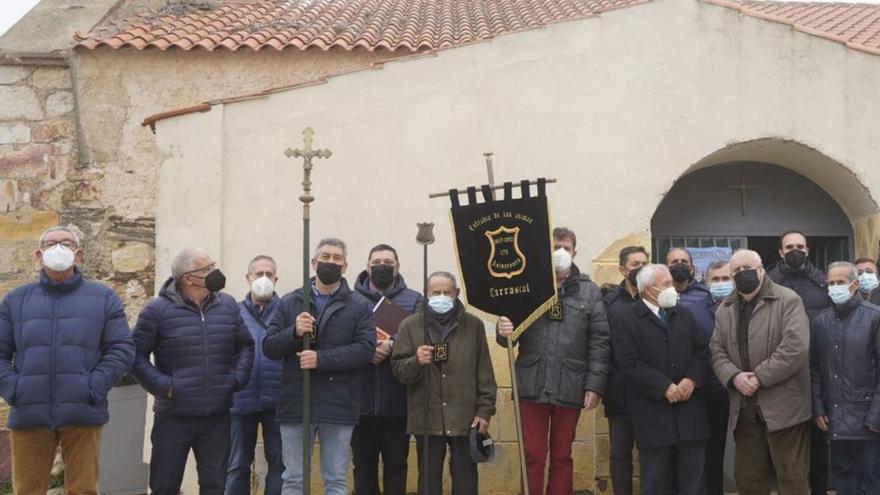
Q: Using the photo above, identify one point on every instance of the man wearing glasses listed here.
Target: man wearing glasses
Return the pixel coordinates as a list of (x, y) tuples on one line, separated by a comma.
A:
[(340, 325), (64, 343), (381, 429), (203, 352)]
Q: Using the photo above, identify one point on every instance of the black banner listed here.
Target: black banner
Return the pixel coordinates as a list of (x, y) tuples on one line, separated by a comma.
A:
[(505, 253)]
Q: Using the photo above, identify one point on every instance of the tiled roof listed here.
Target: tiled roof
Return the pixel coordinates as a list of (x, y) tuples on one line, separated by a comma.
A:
[(855, 25), (410, 25)]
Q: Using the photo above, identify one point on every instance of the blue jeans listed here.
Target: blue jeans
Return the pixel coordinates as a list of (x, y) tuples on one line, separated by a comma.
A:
[(334, 440), (854, 463), (241, 454)]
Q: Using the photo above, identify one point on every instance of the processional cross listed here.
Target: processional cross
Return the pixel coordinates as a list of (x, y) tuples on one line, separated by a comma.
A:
[(307, 153)]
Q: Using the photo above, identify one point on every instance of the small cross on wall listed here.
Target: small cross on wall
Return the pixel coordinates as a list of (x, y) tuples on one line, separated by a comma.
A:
[(743, 187)]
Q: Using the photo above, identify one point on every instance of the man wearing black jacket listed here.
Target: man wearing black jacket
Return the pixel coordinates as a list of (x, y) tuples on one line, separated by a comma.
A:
[(381, 429), (664, 362), (796, 272), (618, 302), (561, 369), (343, 332)]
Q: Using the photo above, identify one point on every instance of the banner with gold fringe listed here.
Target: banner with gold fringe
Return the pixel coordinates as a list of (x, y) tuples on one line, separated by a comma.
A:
[(504, 250)]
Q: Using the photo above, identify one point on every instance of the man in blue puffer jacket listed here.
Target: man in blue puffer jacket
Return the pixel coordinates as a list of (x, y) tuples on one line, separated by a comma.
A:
[(203, 353), (255, 404), (64, 343), (340, 323), (845, 371), (382, 425)]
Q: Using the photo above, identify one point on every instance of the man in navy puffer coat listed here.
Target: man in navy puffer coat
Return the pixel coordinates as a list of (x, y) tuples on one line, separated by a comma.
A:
[(64, 343), (255, 404), (845, 369), (203, 353), (382, 425), (341, 323)]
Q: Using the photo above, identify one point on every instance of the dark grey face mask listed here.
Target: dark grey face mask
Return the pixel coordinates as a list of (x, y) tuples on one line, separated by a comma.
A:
[(215, 281), (382, 276), (328, 273), (795, 258), (747, 281)]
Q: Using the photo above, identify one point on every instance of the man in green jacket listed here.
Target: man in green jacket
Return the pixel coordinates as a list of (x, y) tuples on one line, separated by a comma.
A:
[(461, 383)]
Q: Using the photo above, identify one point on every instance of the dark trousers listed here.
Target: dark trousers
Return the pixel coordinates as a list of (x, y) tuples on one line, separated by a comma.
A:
[(174, 436), (818, 461), (241, 453), (374, 436), (718, 412), (559, 424), (656, 463), (854, 463), (462, 470), (621, 459), (787, 450)]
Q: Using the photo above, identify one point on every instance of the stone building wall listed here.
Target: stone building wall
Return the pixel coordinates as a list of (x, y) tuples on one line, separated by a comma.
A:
[(43, 183)]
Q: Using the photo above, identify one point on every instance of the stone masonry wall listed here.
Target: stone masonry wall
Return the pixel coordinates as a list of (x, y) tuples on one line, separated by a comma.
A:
[(43, 183)]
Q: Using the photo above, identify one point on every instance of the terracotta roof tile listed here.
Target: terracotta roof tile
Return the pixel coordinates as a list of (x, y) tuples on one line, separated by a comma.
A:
[(855, 25), (409, 25)]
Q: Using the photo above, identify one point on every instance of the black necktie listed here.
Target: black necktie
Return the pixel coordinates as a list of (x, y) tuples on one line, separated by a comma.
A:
[(663, 316)]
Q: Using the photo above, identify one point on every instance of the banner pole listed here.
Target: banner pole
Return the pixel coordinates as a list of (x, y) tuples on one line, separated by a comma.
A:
[(517, 418), (524, 477)]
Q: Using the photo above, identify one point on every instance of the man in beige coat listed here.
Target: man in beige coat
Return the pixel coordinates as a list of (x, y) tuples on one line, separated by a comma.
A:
[(760, 351)]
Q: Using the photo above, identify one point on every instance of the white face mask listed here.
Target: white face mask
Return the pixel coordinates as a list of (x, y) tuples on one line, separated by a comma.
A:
[(667, 298), (58, 258), (561, 260), (262, 288)]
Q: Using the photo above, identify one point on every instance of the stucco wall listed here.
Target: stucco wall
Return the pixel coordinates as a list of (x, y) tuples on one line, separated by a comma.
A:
[(616, 108), (72, 149)]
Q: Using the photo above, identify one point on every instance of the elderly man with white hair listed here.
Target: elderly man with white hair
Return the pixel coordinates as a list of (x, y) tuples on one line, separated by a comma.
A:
[(203, 353), (760, 351), (664, 362), (845, 366), (64, 343)]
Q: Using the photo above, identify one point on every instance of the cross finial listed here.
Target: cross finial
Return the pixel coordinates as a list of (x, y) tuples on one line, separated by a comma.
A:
[(307, 153)]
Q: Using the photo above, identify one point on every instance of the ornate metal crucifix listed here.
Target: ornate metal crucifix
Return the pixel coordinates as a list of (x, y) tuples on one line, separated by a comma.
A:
[(307, 153)]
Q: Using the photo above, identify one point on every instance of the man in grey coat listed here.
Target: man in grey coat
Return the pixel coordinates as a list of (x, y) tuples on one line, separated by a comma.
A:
[(561, 369), (760, 352)]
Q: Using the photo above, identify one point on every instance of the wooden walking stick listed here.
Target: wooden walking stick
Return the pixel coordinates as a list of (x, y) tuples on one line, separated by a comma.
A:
[(425, 237), (306, 198)]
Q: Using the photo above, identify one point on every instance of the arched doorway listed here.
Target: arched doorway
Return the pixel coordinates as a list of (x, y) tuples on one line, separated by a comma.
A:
[(747, 205)]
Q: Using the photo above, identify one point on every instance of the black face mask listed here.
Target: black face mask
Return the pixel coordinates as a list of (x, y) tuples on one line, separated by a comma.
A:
[(215, 280), (328, 273), (631, 276), (680, 272), (382, 276), (795, 258), (747, 281)]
